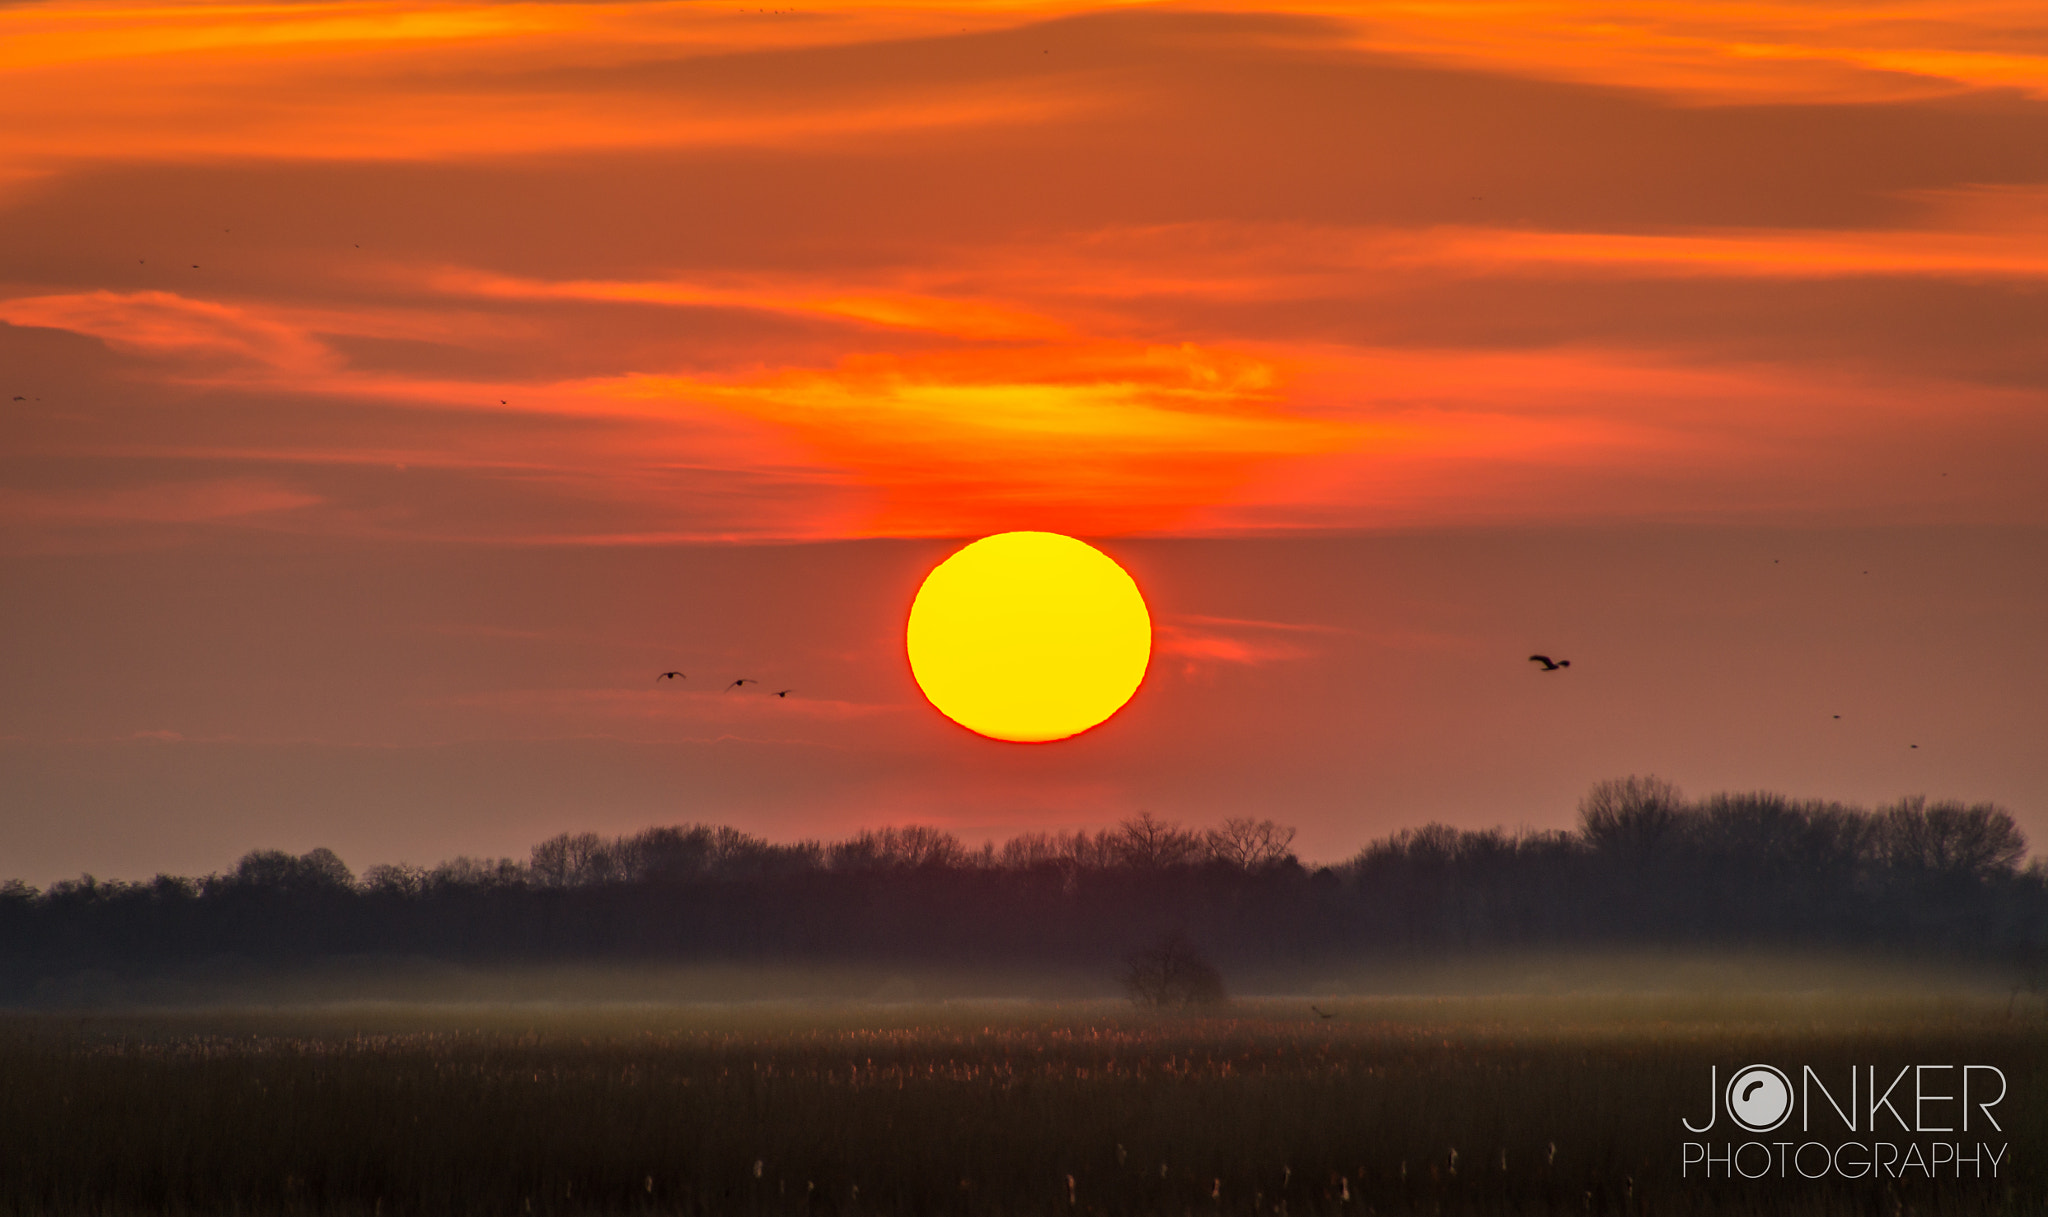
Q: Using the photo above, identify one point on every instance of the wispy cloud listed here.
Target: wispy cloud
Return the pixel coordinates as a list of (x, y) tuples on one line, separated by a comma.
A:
[(871, 305), (190, 502), (1106, 436), (1221, 640), (718, 294), (1832, 50), (385, 80), (167, 324)]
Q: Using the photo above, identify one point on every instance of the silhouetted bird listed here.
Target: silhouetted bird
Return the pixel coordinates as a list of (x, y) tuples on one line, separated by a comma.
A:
[(669, 676), (1320, 1014), (784, 692), (737, 683), (1549, 664), (1838, 716)]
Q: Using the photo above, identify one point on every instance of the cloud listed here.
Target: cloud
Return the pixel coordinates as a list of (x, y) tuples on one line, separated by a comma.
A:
[(647, 274), (1766, 255), (1830, 50), (193, 502), (385, 80), (166, 324), (1968, 234), (951, 316), (1231, 641), (1105, 437)]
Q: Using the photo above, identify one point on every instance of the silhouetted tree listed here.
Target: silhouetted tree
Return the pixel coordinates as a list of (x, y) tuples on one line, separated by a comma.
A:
[(1645, 866), (273, 870), (1964, 843), (913, 845), (1631, 815), (1172, 973), (1250, 844), (1144, 842)]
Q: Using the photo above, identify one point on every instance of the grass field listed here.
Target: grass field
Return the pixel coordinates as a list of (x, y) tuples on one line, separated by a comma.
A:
[(1551, 1104)]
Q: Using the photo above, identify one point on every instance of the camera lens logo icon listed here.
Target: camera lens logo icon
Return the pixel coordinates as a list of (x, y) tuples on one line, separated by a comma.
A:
[(1759, 1098)]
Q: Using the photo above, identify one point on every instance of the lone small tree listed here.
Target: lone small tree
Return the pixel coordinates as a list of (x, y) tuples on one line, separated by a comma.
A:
[(1172, 973)]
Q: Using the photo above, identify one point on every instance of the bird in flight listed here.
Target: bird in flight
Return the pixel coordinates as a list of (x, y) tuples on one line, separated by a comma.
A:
[(1319, 1013), (668, 676), (784, 692), (742, 681), (1549, 664)]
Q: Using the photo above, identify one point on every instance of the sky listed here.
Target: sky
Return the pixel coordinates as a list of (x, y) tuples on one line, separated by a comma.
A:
[(393, 389)]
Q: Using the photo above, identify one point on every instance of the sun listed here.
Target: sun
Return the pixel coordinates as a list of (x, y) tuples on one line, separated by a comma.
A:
[(1029, 637)]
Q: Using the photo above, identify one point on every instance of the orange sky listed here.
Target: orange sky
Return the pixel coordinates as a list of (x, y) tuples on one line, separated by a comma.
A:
[(523, 281)]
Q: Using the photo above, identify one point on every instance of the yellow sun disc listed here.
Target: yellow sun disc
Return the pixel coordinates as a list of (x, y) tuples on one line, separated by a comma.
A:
[(1029, 636)]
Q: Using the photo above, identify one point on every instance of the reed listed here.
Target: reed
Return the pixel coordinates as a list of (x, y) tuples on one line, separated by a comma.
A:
[(1481, 1105)]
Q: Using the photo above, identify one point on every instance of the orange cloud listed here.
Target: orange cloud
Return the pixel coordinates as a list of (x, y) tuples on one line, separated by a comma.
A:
[(387, 80), (167, 324), (1470, 437), (1102, 438), (1841, 49), (1232, 640), (1823, 50), (160, 503), (1968, 234), (1098, 435), (38, 35), (1771, 254), (959, 318)]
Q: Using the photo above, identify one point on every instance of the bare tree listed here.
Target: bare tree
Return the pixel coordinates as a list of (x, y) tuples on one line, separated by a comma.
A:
[(1250, 844), (581, 859), (1145, 843), (395, 879), (1630, 814), (275, 870), (913, 845), (1947, 838), (1172, 973), (1026, 850)]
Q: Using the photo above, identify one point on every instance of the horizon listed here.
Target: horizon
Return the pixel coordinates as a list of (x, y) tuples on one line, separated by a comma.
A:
[(394, 391), (1065, 846)]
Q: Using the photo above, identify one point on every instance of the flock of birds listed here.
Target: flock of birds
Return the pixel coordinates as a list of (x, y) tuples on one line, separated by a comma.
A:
[(729, 688), (1549, 665)]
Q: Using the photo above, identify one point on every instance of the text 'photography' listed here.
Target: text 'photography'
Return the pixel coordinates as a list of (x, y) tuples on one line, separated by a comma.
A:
[(1151, 608)]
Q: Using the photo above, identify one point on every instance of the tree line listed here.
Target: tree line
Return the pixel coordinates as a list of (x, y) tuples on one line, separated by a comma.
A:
[(1644, 866)]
